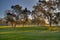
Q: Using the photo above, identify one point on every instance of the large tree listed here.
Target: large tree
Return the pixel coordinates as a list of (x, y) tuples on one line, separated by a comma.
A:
[(22, 15), (25, 14), (10, 18), (46, 8), (17, 9)]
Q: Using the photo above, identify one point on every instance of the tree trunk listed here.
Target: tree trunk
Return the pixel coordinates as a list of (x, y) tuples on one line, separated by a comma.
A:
[(50, 20)]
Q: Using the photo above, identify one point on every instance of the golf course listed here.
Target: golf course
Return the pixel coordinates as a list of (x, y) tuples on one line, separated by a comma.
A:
[(28, 33)]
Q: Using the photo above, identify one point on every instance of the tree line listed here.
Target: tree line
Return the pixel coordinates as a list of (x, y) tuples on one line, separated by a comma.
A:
[(44, 12)]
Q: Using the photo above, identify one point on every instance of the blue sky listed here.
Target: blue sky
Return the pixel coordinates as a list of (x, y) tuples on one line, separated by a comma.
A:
[(6, 5)]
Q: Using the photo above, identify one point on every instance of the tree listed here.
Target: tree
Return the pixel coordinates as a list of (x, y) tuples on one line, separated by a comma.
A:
[(0, 20), (39, 14), (25, 14), (22, 15), (11, 17), (17, 9), (46, 8)]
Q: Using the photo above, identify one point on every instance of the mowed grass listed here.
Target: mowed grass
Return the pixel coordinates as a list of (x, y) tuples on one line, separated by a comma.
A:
[(28, 33)]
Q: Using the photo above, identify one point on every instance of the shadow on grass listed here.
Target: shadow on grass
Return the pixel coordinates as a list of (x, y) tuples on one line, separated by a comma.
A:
[(22, 28)]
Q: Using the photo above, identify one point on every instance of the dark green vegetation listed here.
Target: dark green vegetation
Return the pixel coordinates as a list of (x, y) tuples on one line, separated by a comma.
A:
[(28, 33)]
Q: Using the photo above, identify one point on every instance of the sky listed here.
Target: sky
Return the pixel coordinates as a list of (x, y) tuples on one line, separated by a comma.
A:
[(6, 5)]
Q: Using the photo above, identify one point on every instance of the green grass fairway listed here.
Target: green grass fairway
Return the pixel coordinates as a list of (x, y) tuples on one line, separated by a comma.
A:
[(28, 33)]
